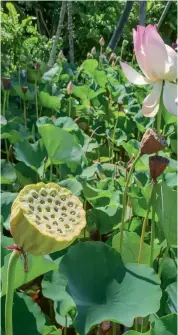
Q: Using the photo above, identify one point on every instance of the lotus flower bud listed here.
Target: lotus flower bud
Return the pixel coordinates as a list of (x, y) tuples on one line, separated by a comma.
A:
[(69, 87), (157, 165), (89, 55), (3, 121), (60, 54), (113, 56), (124, 43), (93, 51), (36, 66), (102, 41), (24, 89), (6, 83), (152, 142), (53, 118), (46, 218)]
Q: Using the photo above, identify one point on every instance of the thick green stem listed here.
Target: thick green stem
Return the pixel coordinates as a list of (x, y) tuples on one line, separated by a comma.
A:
[(113, 136), (158, 126), (70, 106), (10, 291), (25, 114), (144, 228), (124, 202), (152, 226), (4, 104), (36, 97), (114, 328)]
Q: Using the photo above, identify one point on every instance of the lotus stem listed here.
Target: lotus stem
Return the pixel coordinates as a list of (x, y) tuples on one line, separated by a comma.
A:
[(10, 291), (4, 104), (158, 127), (70, 106), (124, 202), (144, 227), (152, 226), (25, 114), (36, 98)]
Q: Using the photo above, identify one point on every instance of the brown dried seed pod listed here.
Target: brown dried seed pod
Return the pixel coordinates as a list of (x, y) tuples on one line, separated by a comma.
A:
[(6, 83), (157, 165), (152, 142), (24, 89)]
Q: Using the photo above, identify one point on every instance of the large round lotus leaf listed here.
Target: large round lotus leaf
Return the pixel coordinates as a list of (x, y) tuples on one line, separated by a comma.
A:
[(103, 288)]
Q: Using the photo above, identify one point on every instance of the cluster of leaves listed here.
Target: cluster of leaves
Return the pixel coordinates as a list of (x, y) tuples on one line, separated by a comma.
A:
[(91, 20), (21, 41), (83, 141)]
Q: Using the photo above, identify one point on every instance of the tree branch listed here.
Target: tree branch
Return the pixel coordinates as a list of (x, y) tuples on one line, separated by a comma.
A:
[(166, 9), (70, 30), (120, 26), (143, 12), (58, 33)]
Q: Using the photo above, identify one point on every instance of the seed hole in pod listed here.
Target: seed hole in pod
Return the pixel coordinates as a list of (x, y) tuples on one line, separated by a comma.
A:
[(31, 207), (45, 217), (59, 230), (52, 216), (39, 209), (48, 226), (35, 195), (47, 209), (67, 226), (43, 193), (72, 220), (38, 223), (63, 197), (38, 217), (30, 199), (42, 201), (50, 200), (64, 208), (53, 193), (57, 202), (63, 214), (70, 204), (72, 212), (55, 223), (56, 209), (61, 220)]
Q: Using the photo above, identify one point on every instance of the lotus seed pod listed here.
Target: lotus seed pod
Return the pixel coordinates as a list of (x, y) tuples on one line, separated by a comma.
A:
[(152, 142), (157, 166), (46, 218), (102, 41), (24, 89), (69, 87)]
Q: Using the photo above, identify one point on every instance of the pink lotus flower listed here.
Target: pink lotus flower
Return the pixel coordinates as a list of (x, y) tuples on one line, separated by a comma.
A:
[(158, 62)]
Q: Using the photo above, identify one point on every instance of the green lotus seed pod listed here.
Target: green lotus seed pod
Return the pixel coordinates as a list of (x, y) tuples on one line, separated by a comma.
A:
[(46, 218)]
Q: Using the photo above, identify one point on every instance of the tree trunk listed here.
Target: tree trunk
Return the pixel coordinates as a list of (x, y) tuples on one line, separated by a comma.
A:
[(143, 12), (70, 30), (120, 26), (164, 14), (58, 33)]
